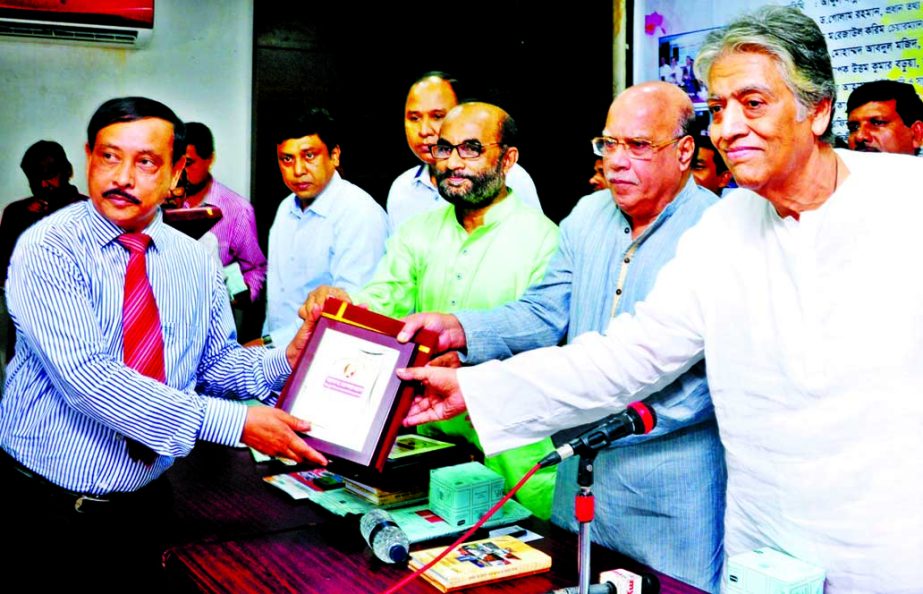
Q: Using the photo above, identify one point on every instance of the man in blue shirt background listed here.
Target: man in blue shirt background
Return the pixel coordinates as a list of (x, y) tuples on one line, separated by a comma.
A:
[(328, 231)]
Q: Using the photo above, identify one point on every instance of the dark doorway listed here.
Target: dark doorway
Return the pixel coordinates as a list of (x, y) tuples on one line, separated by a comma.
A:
[(551, 68)]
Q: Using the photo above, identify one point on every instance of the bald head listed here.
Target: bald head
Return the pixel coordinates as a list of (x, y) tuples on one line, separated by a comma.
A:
[(657, 101), (490, 121), (647, 163)]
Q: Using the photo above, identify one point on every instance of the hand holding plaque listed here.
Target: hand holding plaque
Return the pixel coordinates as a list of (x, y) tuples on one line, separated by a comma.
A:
[(344, 382)]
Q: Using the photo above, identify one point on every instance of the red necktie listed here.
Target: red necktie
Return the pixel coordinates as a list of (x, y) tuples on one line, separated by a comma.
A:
[(143, 339)]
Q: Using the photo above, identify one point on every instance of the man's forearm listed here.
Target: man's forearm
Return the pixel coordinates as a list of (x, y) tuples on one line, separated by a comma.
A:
[(513, 328)]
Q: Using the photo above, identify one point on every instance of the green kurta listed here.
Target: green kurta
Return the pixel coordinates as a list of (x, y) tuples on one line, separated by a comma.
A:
[(432, 264)]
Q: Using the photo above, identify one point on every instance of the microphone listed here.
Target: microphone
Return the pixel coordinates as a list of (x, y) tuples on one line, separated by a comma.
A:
[(637, 419)]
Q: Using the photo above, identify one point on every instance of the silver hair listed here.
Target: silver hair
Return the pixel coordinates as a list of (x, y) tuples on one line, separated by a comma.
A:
[(793, 40), (686, 122)]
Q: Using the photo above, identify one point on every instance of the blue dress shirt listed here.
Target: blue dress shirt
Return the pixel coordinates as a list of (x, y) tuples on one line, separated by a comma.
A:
[(338, 240), (660, 497), (70, 401)]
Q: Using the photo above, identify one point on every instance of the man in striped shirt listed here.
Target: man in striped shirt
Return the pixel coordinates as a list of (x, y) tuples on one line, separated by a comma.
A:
[(74, 409)]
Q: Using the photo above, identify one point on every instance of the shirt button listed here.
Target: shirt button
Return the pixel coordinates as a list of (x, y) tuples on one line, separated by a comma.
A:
[(618, 291), (458, 277), (627, 260), (452, 302), (627, 229)]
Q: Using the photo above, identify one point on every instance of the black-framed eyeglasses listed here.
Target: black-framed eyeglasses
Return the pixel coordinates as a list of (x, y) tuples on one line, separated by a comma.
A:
[(636, 147), (469, 149)]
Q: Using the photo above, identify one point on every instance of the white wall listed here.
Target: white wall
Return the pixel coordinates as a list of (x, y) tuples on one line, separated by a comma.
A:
[(199, 63)]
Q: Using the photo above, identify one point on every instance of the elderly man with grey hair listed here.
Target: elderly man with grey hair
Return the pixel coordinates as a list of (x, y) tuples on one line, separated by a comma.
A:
[(805, 304)]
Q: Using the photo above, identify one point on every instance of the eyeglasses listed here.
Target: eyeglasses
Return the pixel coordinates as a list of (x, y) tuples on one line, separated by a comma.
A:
[(637, 148), (470, 149)]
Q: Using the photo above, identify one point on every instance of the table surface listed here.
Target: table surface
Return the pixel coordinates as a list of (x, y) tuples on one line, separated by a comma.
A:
[(235, 533)]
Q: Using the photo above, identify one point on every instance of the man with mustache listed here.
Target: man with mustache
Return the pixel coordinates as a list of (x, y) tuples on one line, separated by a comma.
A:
[(127, 358), (414, 191), (885, 116), (485, 247)]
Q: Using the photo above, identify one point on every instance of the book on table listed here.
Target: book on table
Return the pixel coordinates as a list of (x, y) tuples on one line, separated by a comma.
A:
[(385, 498), (481, 561)]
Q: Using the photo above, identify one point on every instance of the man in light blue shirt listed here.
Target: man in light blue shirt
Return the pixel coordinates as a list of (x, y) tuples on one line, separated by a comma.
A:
[(326, 232), (73, 408), (660, 497), (413, 192)]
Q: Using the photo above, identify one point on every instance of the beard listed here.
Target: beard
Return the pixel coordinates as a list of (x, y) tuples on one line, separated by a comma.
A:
[(484, 187)]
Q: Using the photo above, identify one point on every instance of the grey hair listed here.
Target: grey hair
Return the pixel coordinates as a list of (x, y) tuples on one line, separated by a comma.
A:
[(686, 125), (793, 40)]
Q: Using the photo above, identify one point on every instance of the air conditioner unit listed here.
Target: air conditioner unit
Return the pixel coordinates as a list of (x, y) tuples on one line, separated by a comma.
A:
[(113, 23)]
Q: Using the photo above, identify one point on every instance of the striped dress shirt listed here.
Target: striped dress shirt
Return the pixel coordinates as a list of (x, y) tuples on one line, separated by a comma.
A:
[(70, 401)]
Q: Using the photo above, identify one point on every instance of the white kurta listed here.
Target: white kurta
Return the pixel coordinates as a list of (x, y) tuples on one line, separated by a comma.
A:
[(812, 332)]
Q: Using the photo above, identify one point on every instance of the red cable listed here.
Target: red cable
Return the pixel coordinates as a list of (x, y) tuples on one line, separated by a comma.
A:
[(461, 539)]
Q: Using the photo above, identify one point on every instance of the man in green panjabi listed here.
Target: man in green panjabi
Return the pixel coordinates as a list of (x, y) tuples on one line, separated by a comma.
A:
[(480, 251)]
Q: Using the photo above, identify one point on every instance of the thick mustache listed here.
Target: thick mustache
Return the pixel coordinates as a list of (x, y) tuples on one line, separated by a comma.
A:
[(121, 194), (449, 174)]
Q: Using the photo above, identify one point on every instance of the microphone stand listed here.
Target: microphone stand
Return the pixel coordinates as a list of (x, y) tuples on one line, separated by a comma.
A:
[(584, 510), (637, 419)]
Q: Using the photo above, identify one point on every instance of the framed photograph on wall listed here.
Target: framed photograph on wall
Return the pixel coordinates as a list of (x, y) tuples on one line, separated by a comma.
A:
[(676, 56)]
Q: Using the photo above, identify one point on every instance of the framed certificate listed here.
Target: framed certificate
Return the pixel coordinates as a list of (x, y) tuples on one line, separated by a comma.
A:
[(344, 383)]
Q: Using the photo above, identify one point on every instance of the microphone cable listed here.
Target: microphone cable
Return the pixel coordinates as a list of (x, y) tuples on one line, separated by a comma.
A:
[(461, 539)]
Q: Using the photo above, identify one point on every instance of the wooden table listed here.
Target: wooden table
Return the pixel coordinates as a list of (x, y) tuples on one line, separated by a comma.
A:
[(234, 533)]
